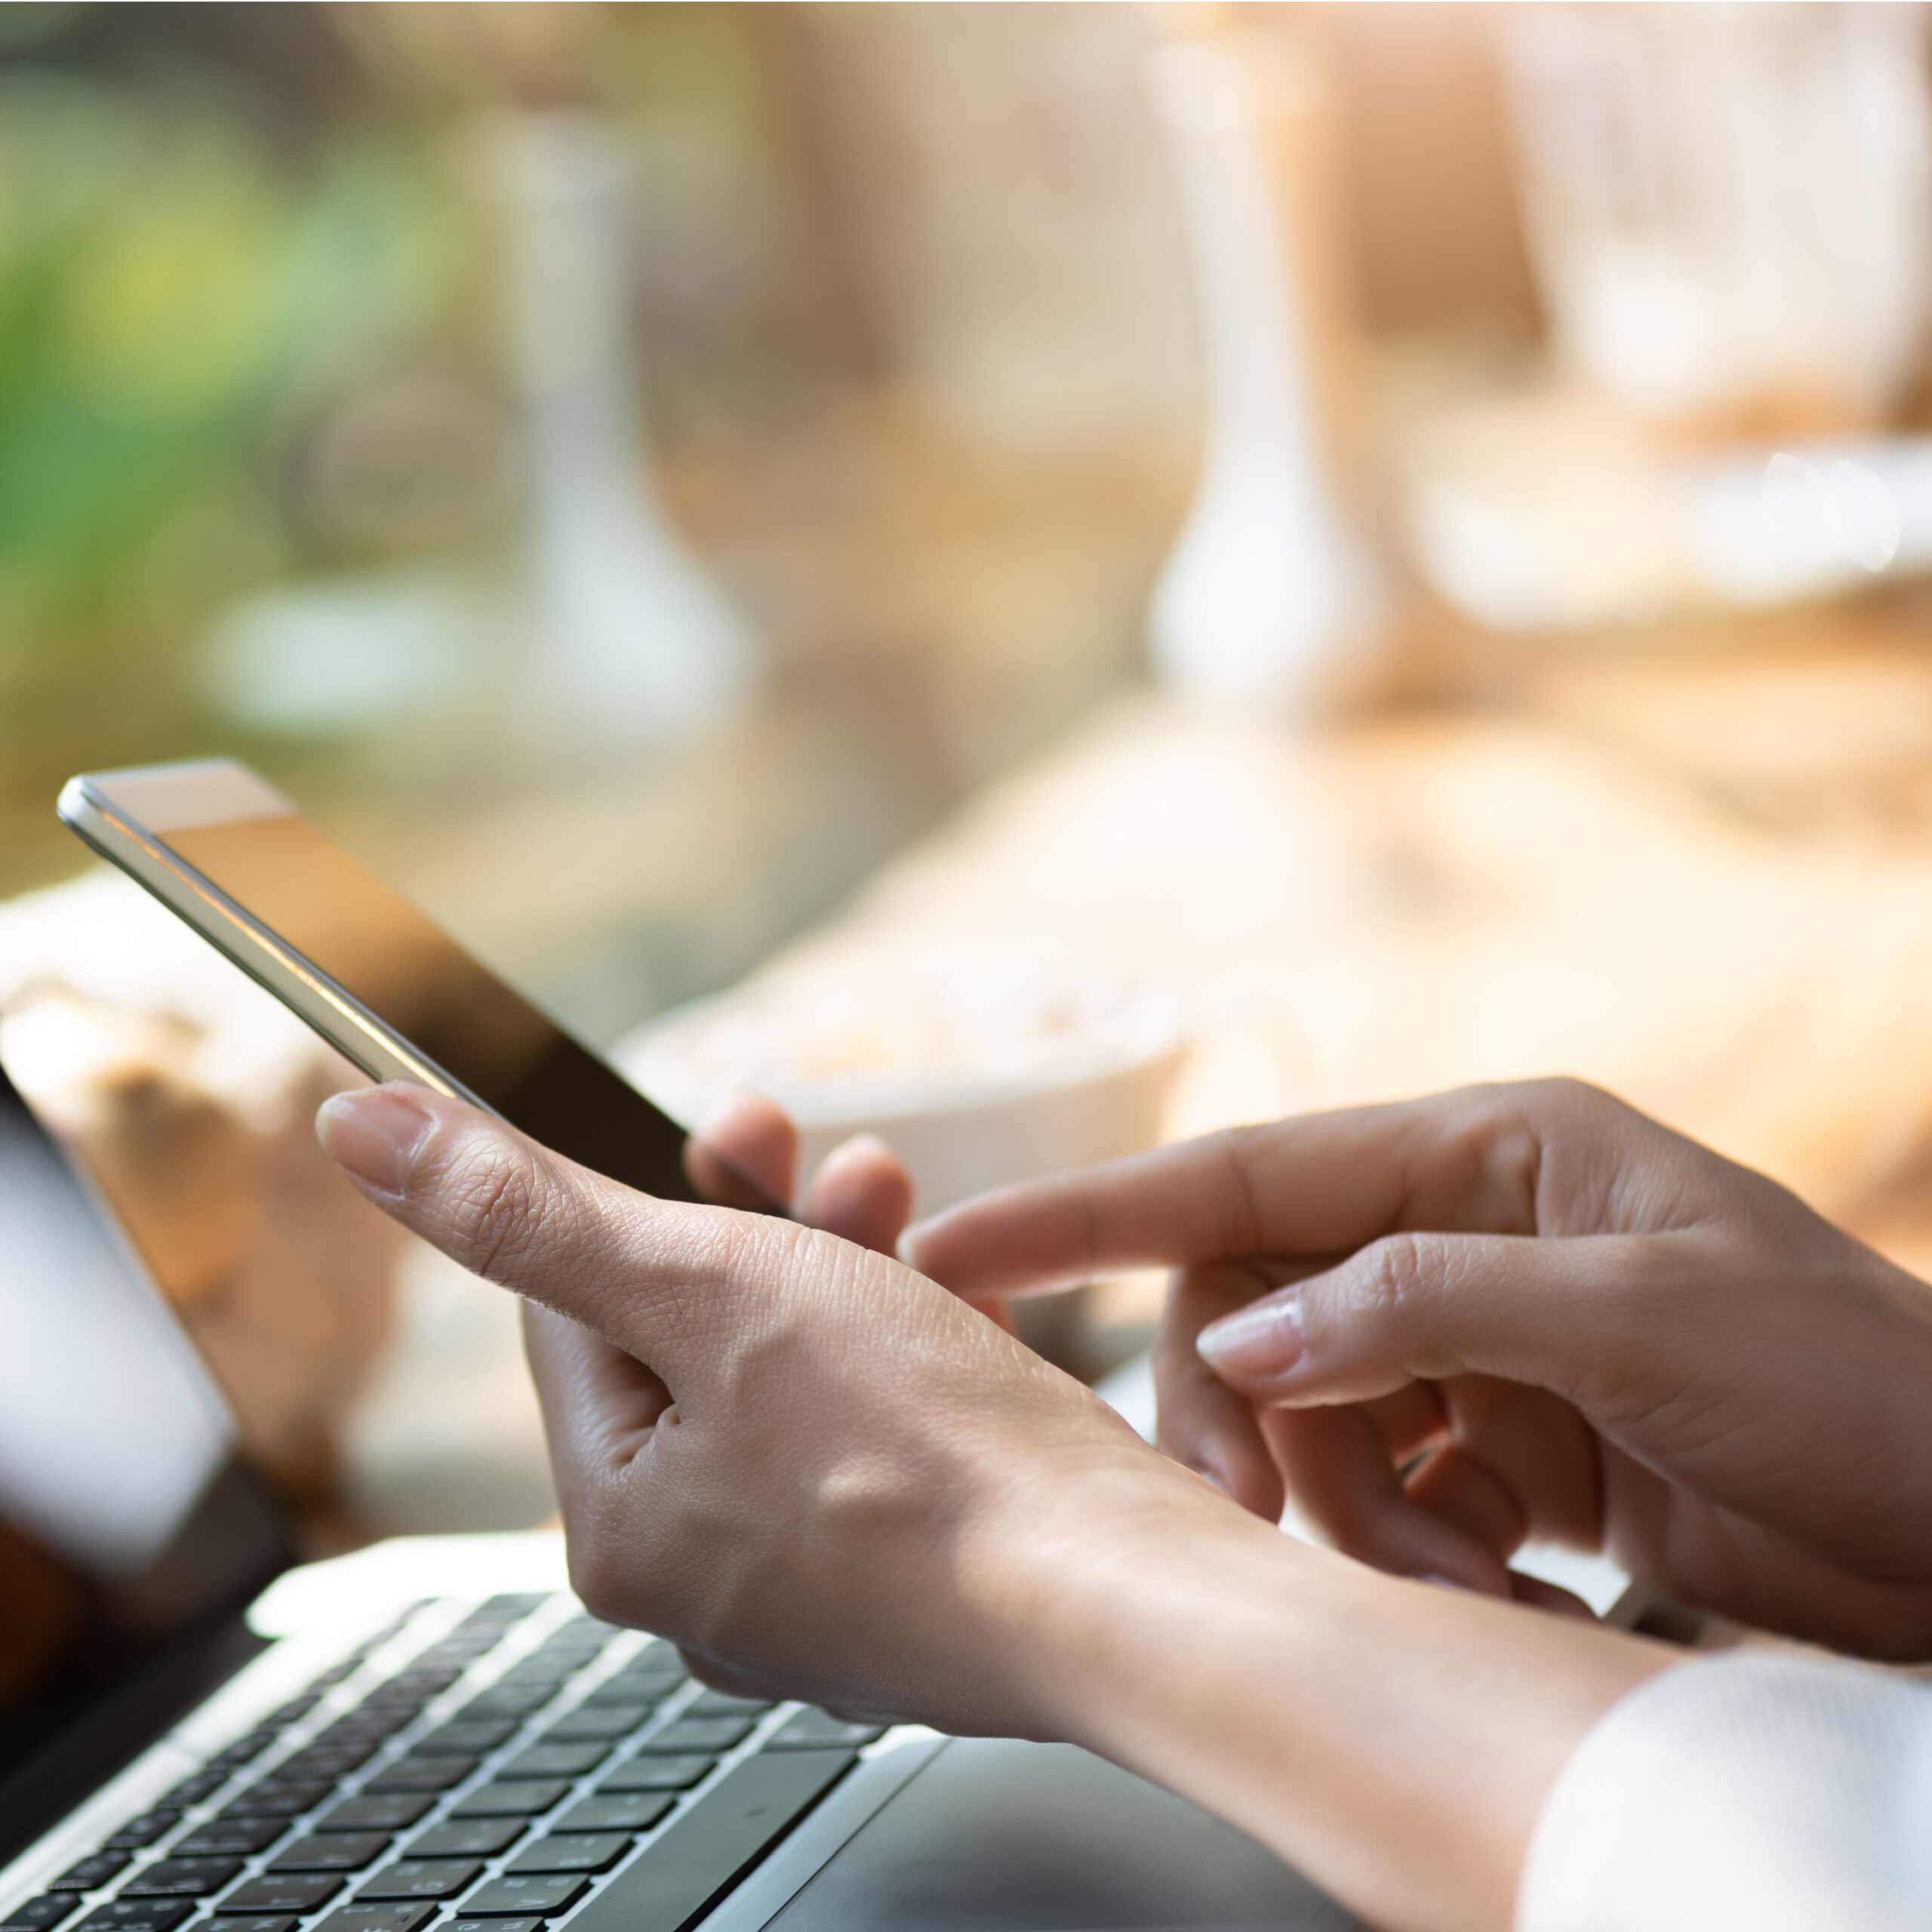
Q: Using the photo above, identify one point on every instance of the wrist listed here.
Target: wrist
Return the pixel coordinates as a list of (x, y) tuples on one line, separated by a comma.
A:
[(1330, 1710), (1122, 1576)]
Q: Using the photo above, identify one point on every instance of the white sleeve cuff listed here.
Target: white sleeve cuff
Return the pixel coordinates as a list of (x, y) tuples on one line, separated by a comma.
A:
[(1760, 1792)]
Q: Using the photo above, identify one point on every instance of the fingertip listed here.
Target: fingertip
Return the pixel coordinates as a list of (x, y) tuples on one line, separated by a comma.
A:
[(945, 1247), (1255, 1344), (748, 1137), (863, 1193), (374, 1134), (915, 1246), (866, 1161)]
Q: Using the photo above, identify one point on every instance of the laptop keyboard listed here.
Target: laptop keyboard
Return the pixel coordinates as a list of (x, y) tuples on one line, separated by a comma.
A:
[(497, 1771)]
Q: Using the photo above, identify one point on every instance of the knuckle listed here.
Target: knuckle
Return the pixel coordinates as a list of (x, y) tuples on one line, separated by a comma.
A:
[(1394, 1278), (1493, 1139), (494, 1198), (741, 1263), (1648, 1279), (1564, 1096)]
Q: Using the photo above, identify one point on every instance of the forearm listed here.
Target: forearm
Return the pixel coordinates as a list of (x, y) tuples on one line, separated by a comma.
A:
[(1393, 1739)]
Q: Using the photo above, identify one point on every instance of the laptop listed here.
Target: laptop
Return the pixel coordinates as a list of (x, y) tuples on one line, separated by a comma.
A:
[(197, 1733)]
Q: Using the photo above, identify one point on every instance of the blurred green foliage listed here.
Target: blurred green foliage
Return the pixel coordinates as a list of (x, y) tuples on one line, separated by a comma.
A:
[(172, 298)]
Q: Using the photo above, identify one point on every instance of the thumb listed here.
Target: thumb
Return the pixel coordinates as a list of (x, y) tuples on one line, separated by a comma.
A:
[(648, 1275), (1550, 1312)]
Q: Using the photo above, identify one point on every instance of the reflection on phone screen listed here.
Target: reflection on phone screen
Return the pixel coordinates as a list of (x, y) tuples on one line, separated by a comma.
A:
[(386, 955)]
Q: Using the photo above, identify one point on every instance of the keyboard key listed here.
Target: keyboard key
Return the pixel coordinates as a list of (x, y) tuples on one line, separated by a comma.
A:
[(281, 1893), (261, 1921), (38, 1915), (626, 1694), (813, 1731), (90, 1874), (402, 1701), (654, 1682), (722, 1704), (461, 1924), (192, 1791), (182, 1878), (657, 1655), (599, 1724), (572, 1851), (583, 1629), (576, 1652), (469, 1737), (421, 1878), (230, 1838), (524, 1799), (144, 1830), (541, 1898), (397, 1918), (554, 1761), (656, 1774), (510, 1700), (539, 1669), (509, 1607), (650, 1668), (699, 1734), (136, 1915), (411, 1686), (422, 1774), (332, 1851), (538, 1674), (466, 1837), (700, 1856), (243, 1749), (360, 1726), (457, 1653), (627, 1811), (328, 1760), (278, 1798), (380, 1811), (296, 1707), (422, 1675)]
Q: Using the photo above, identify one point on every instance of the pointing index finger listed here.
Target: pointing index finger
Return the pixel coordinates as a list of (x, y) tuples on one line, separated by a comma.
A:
[(1319, 1185), (1322, 1184)]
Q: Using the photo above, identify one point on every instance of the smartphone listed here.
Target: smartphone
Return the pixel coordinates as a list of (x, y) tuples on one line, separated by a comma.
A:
[(389, 990)]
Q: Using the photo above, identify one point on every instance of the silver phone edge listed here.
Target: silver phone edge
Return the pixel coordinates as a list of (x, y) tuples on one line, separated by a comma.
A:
[(349, 1026)]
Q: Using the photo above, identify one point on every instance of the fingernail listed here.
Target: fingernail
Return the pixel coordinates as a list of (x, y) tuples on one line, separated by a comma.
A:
[(374, 1134), (1263, 1339)]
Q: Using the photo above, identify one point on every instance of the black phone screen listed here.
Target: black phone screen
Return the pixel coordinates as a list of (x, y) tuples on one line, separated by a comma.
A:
[(382, 952)]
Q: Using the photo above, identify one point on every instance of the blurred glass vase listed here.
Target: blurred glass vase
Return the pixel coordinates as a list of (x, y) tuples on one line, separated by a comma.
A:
[(1268, 583), (633, 642)]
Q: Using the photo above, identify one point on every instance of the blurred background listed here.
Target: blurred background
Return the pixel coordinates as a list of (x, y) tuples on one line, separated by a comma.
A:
[(360, 363), (1108, 569)]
